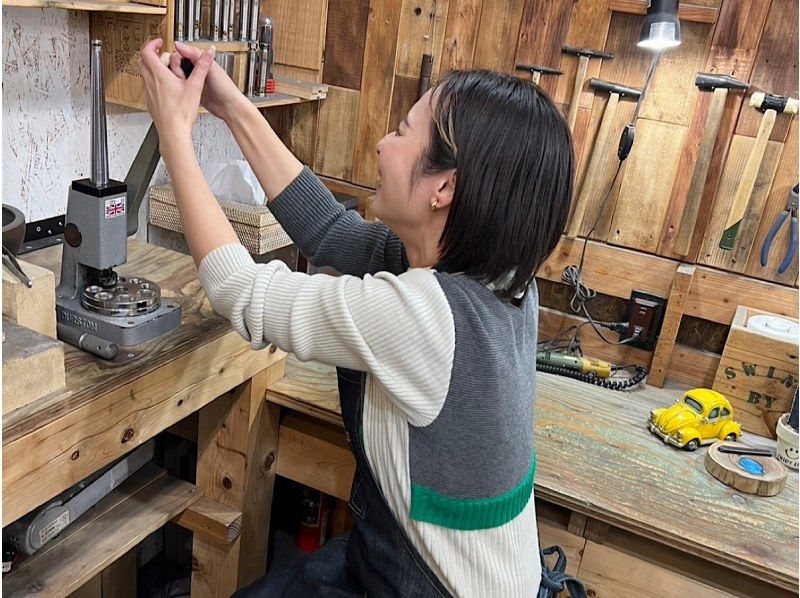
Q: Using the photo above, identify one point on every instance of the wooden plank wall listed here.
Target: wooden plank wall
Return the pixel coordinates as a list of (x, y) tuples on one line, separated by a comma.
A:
[(369, 53)]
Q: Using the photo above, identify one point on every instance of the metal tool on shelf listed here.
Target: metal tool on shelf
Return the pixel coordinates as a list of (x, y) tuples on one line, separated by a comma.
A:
[(180, 20), (29, 534), (790, 212), (216, 20), (254, 8), (225, 19), (196, 22), (189, 20), (94, 303), (244, 20), (252, 63), (266, 84)]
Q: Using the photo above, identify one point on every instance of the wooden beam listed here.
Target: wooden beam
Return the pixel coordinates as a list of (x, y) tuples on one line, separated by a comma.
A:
[(577, 523), (301, 89), (186, 428), (686, 12), (119, 578), (691, 366), (228, 456), (141, 505), (337, 186), (672, 322), (213, 520), (316, 454)]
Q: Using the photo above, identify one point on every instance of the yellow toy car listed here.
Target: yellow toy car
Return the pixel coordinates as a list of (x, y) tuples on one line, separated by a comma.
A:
[(701, 416)]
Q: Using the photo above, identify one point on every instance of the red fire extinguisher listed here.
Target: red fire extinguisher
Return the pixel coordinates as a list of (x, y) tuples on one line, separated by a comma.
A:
[(314, 521)]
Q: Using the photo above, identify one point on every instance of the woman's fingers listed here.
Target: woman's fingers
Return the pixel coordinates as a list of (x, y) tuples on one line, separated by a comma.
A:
[(201, 67), (151, 54), (190, 52), (175, 65)]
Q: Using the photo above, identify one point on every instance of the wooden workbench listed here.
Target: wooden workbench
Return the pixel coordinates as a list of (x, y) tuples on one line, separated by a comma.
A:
[(109, 408), (627, 492)]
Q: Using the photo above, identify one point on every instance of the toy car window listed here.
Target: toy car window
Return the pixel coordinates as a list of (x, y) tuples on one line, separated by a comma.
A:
[(693, 404), (725, 411), (714, 413)]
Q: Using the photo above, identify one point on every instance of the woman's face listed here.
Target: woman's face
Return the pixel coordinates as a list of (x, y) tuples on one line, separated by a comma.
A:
[(400, 202)]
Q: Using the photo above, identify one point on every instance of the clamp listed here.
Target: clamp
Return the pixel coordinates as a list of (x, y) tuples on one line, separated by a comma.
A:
[(791, 211)]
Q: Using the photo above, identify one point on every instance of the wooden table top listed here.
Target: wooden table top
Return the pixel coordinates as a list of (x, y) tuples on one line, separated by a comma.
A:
[(88, 376), (597, 457)]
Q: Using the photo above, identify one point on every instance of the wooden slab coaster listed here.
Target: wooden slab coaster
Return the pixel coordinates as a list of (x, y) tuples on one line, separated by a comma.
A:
[(729, 469)]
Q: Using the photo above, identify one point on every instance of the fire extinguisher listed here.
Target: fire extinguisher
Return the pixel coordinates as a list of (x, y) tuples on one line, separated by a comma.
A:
[(314, 520)]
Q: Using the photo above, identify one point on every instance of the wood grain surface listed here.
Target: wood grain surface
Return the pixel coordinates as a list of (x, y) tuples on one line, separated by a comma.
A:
[(345, 34), (336, 133), (461, 32), (496, 41), (299, 31), (421, 31), (541, 36), (601, 435), (373, 111)]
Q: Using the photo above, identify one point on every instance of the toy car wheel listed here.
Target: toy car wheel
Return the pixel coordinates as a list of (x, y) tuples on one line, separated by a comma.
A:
[(731, 437), (692, 445)]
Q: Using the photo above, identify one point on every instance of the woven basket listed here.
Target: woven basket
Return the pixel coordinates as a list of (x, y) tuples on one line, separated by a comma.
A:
[(256, 227)]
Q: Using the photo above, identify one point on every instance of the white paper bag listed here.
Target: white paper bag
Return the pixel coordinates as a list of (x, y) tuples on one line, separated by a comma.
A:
[(234, 181)]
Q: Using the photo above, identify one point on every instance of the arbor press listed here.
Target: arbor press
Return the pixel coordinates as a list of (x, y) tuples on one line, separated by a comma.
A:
[(96, 309)]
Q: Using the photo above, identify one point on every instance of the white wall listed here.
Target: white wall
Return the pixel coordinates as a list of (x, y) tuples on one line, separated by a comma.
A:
[(46, 114)]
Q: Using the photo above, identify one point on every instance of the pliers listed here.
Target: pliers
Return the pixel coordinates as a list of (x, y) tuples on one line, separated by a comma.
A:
[(10, 262), (789, 210)]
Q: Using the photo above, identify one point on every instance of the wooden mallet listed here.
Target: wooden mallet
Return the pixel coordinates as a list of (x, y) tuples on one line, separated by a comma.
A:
[(592, 185), (771, 105), (537, 71), (584, 55), (719, 85)]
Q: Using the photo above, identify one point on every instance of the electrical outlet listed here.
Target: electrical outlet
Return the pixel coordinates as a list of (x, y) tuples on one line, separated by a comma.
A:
[(646, 314)]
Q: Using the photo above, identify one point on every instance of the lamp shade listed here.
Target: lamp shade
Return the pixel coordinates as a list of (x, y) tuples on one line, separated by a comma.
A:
[(661, 28)]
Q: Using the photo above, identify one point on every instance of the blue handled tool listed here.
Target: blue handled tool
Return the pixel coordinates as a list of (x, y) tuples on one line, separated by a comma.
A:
[(791, 211)]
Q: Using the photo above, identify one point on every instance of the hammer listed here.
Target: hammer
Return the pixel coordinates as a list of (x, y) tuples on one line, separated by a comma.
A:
[(584, 55), (719, 85), (770, 105), (593, 170), (537, 71)]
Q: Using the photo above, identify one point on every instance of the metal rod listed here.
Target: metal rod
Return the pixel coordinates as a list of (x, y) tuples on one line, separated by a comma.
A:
[(180, 19), (216, 17), (99, 175), (226, 17), (190, 8), (252, 60), (232, 21), (197, 25), (254, 8), (265, 55), (244, 20)]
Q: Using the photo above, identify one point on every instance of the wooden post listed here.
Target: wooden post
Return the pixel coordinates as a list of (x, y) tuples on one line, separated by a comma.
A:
[(672, 322), (236, 442)]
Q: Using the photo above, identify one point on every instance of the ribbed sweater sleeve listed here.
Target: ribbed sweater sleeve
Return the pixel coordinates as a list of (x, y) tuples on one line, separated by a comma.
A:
[(398, 328), (329, 235)]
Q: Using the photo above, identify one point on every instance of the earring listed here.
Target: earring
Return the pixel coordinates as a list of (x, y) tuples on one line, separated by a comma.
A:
[(434, 205)]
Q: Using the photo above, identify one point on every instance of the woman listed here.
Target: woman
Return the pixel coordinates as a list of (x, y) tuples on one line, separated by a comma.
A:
[(433, 325)]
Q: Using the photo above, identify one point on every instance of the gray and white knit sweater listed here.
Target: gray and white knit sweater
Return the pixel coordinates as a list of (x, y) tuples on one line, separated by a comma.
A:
[(449, 395)]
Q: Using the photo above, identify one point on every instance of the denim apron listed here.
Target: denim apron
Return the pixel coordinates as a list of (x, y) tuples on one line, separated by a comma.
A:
[(376, 558)]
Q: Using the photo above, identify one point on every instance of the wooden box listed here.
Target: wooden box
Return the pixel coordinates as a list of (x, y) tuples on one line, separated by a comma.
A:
[(256, 227), (757, 373)]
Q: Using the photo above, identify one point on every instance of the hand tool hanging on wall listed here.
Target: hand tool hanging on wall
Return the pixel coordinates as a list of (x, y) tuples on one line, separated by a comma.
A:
[(537, 71), (584, 55), (591, 181), (789, 211), (719, 85), (426, 66), (771, 106), (96, 309)]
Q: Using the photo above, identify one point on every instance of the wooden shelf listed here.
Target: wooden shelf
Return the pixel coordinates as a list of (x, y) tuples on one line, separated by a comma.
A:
[(686, 12), (142, 504), (91, 5), (274, 100)]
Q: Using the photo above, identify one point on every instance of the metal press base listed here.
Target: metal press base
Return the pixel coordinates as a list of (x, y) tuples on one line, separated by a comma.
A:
[(124, 331)]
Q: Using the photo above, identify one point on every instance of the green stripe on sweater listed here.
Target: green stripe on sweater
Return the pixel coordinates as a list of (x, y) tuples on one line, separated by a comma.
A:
[(471, 513)]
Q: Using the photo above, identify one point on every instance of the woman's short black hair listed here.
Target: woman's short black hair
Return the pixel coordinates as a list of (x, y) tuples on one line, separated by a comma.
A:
[(512, 152)]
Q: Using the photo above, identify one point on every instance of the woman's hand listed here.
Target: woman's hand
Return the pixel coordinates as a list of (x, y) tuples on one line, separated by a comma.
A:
[(220, 93), (173, 102)]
